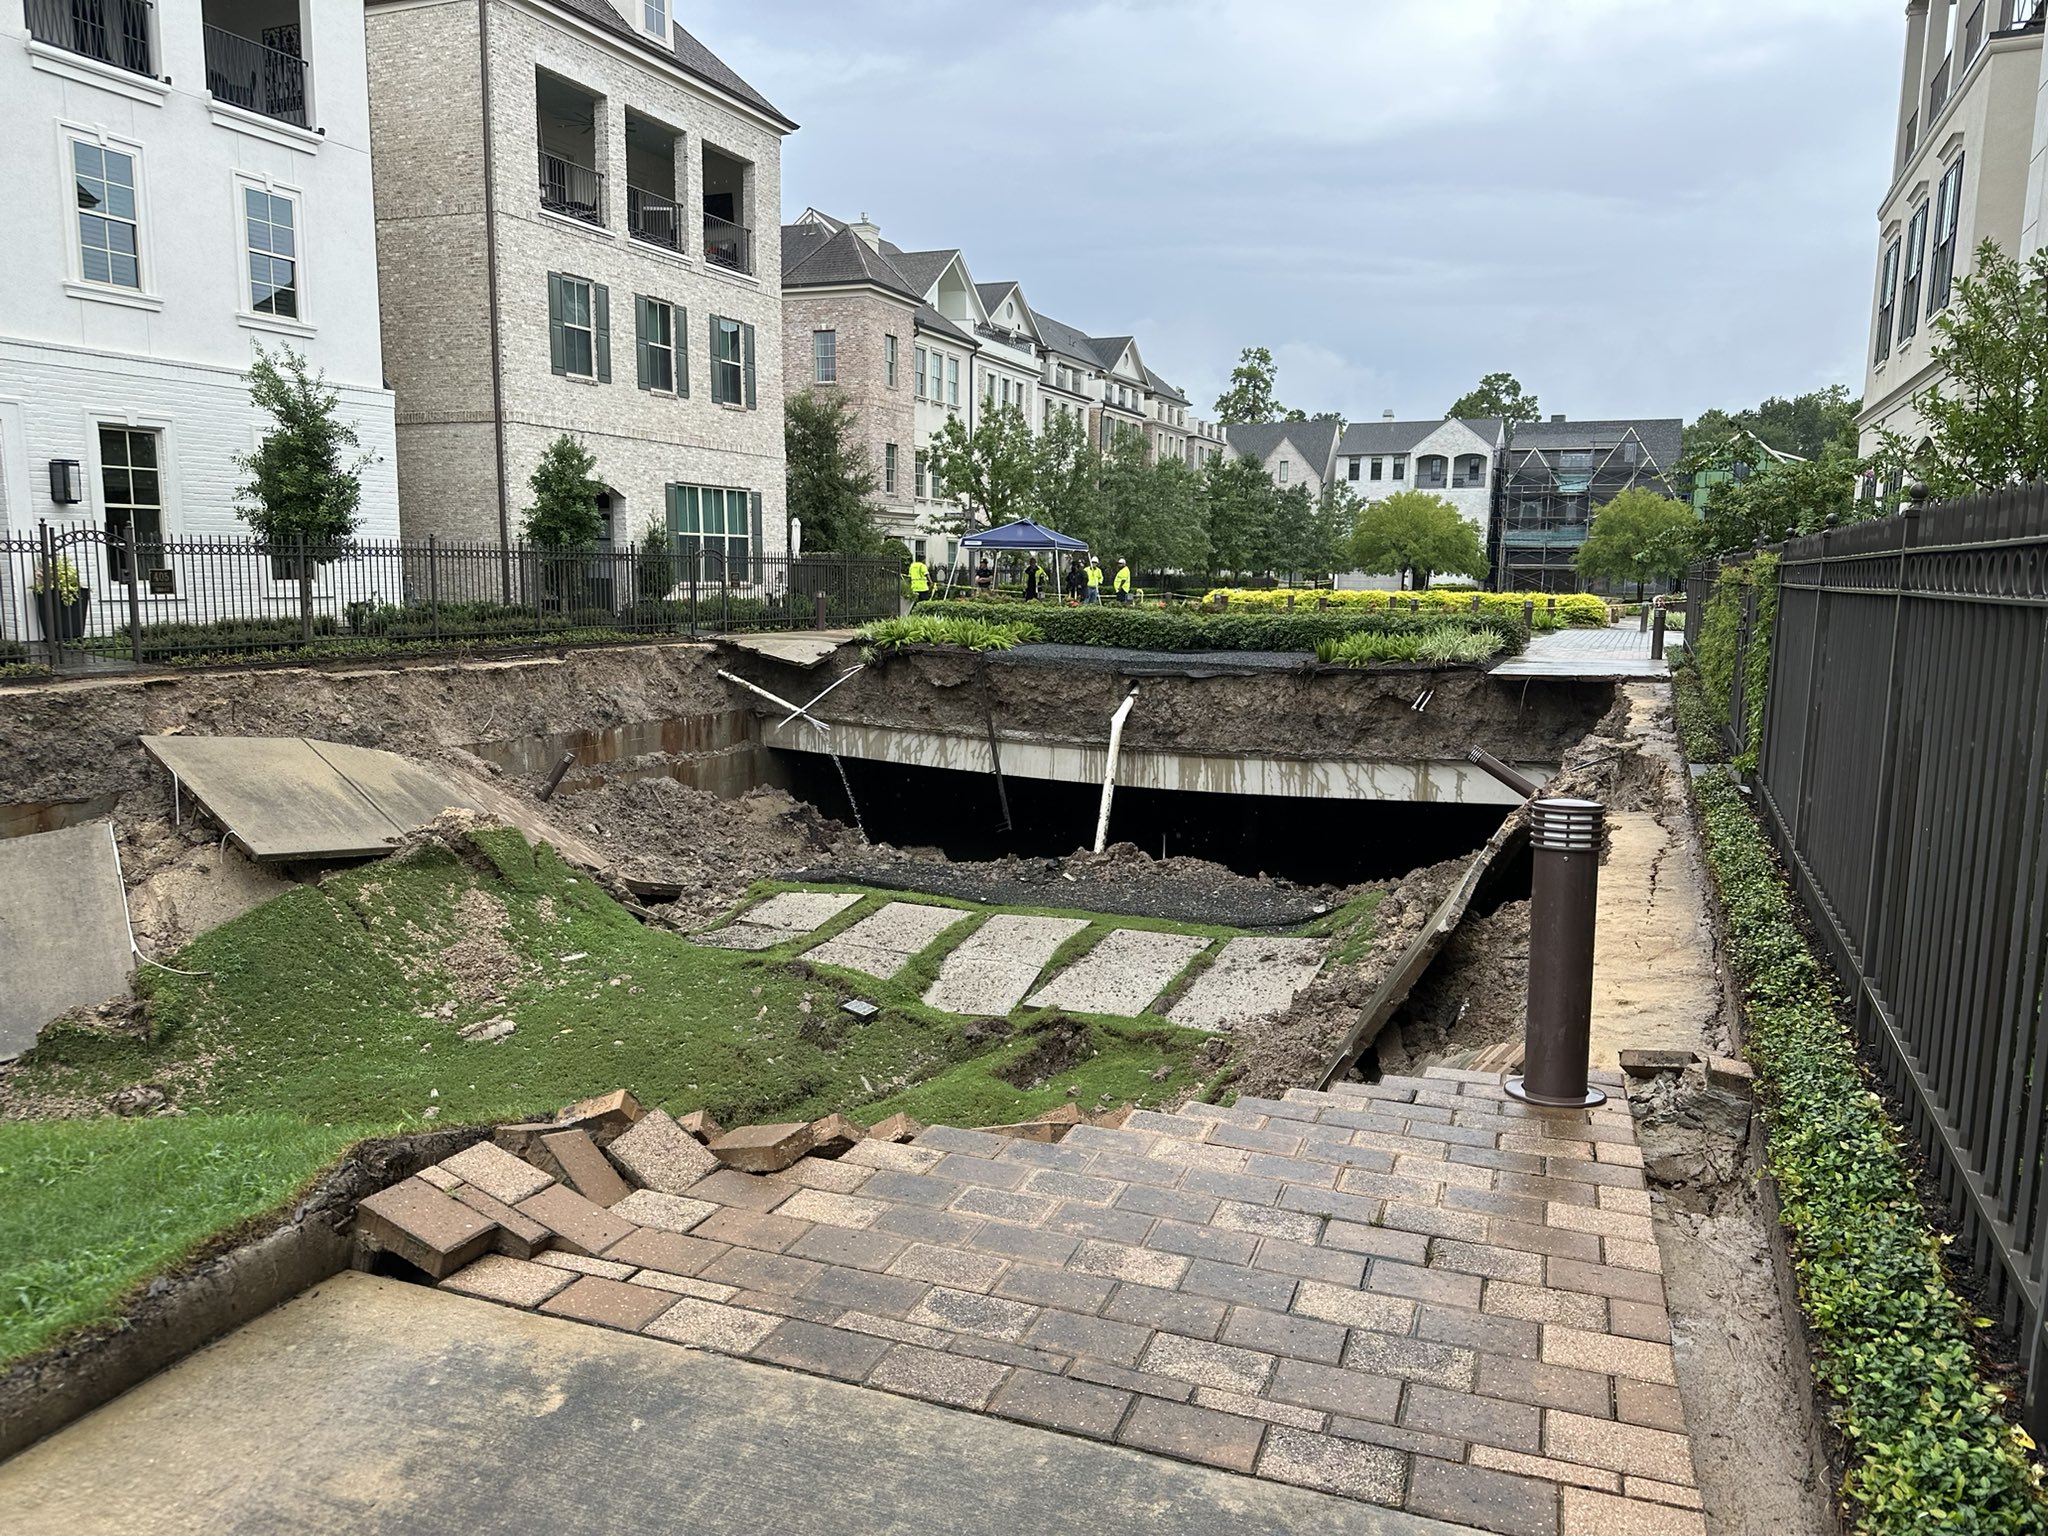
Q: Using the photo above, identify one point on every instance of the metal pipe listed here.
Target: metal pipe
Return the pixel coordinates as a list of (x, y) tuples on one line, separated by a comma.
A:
[(1521, 784), (1116, 737), (547, 790), (1565, 836)]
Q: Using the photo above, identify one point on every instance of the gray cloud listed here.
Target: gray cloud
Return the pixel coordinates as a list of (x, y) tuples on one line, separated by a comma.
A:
[(1641, 208)]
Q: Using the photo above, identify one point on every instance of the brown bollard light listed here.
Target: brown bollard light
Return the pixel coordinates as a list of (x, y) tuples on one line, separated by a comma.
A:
[(1657, 635), (1565, 836)]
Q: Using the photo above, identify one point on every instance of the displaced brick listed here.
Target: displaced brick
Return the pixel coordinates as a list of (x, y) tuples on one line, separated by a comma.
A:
[(610, 1303), (584, 1168), (817, 1173), (601, 1118), (741, 1191), (898, 1127), (659, 1154), (441, 1179), (497, 1173), (1645, 1063), (511, 1281), (578, 1224), (763, 1148), (1731, 1076), (583, 1264), (522, 1141), (519, 1237), (1114, 1119), (835, 1210), (424, 1227), (700, 1125), (834, 1135), (668, 1213)]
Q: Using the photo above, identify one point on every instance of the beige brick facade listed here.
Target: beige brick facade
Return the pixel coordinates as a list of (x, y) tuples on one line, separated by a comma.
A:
[(862, 321)]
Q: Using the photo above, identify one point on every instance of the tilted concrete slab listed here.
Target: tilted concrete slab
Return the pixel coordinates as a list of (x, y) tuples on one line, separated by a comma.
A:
[(783, 916), (290, 797), (1122, 974), (882, 943), (1251, 977), (799, 648), (63, 928), (369, 1407), (992, 970), (1585, 655)]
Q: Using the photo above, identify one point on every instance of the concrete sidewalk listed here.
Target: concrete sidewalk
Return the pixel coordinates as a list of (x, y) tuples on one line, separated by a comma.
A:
[(370, 1406), (1566, 655)]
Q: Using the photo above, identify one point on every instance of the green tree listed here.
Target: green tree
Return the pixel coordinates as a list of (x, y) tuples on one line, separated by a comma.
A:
[(1250, 399), (1150, 514), (1241, 504), (1779, 498), (831, 481), (1066, 476), (1416, 535), (564, 513), (1637, 536), (301, 484), (994, 467), (1987, 421), (1806, 425), (1498, 394)]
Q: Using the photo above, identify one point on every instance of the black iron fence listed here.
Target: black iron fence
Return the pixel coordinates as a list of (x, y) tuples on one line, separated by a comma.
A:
[(80, 598), (1902, 768)]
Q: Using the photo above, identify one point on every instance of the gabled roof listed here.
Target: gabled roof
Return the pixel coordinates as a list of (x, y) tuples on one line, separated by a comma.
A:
[(814, 256), (1159, 386), (993, 294), (922, 268), (1662, 437), (929, 319), (1315, 441), (684, 51), (1111, 350), (1062, 338), (1382, 437)]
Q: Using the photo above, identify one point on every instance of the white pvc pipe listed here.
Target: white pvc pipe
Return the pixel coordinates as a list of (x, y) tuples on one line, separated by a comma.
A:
[(1116, 737), (795, 710)]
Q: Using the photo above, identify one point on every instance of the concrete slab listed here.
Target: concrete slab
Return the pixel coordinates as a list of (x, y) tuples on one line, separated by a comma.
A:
[(1568, 655), (1252, 976), (882, 943), (374, 1408), (1122, 974), (290, 797), (63, 928), (992, 970), (783, 916), (798, 648)]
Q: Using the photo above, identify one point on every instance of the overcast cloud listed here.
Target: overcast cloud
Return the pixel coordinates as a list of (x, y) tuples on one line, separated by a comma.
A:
[(1641, 209)]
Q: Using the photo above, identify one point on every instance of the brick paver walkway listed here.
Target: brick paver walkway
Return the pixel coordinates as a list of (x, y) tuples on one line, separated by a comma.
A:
[(1617, 651), (1417, 1293)]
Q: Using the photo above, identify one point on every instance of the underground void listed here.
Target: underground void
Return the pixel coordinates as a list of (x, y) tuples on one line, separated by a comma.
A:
[(1315, 842)]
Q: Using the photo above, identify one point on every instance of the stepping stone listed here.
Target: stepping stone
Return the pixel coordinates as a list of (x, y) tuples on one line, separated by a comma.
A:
[(1251, 977), (994, 968), (783, 916), (1122, 974), (882, 943)]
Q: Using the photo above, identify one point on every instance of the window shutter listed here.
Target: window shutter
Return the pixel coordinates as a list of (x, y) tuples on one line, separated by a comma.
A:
[(643, 327), (601, 322), (747, 353), (556, 360), (717, 389), (681, 331), (754, 513)]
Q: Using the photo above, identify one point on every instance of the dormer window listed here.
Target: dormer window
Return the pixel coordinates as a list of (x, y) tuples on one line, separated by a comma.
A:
[(654, 17)]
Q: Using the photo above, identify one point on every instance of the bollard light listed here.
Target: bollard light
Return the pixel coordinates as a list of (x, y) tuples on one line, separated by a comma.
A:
[(1565, 836)]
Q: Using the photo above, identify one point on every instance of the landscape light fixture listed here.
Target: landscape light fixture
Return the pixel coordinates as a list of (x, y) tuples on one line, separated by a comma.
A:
[(859, 1008), (67, 484)]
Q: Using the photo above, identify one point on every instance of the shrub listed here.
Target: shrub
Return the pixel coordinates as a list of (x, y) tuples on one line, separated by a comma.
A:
[(1441, 644), (1714, 647), (1185, 629), (1576, 609), (970, 633)]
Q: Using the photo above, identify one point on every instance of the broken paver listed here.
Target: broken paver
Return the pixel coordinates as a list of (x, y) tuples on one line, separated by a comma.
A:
[(585, 1167), (883, 942), (834, 1135), (663, 1212), (424, 1227), (518, 1236), (497, 1172), (1122, 974), (898, 1127), (603, 1117), (661, 1155), (763, 1148), (783, 916), (578, 1225), (512, 1281), (994, 966), (1252, 977)]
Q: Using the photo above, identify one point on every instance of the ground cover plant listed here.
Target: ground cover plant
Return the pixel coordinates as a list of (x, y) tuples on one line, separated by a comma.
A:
[(973, 633), (1574, 609), (1719, 648), (1929, 1445), (1441, 645), (1186, 629)]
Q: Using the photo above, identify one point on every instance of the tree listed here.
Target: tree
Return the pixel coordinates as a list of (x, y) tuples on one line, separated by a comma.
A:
[(831, 480), (1250, 396), (1780, 498), (564, 512), (1805, 425), (1066, 476), (1637, 536), (993, 467), (1240, 498), (1987, 422), (1416, 535), (1498, 394), (299, 484)]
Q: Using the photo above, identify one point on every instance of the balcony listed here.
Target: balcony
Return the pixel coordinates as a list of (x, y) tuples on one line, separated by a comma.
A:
[(728, 245), (653, 218), (255, 77), (1937, 90), (115, 32), (574, 191), (653, 215), (728, 186)]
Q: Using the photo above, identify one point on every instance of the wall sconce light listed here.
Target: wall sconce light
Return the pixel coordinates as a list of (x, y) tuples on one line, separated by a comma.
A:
[(67, 485)]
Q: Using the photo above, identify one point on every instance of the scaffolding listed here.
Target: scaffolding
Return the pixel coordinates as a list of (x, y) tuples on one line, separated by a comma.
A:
[(1556, 475)]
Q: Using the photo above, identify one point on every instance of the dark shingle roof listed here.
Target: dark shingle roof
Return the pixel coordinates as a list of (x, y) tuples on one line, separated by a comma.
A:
[(922, 268), (1313, 440), (929, 319), (816, 257), (1062, 338), (993, 294), (1110, 348), (1159, 386), (1366, 437), (686, 51), (1661, 437)]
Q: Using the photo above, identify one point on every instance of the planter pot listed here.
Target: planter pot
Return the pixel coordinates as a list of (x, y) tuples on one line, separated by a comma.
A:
[(70, 617)]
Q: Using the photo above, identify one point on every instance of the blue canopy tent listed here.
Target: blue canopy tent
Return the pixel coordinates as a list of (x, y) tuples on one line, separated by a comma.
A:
[(1024, 537)]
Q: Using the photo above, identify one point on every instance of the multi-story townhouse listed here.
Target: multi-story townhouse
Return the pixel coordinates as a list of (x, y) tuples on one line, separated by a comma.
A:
[(192, 182), (1969, 162), (1556, 475), (1205, 443), (568, 200), (1453, 458), (1291, 452), (1166, 433)]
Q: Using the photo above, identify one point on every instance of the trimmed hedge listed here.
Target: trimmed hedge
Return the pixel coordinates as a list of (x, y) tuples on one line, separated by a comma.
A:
[(1182, 629), (1929, 1446), (1574, 609)]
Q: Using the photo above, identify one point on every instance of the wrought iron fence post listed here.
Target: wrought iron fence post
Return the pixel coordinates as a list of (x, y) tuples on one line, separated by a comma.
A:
[(725, 596), (1887, 768), (692, 557), (134, 595), (47, 598), (434, 584), (305, 589)]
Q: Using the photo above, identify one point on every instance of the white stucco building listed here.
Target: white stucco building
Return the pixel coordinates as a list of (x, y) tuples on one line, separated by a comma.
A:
[(191, 180)]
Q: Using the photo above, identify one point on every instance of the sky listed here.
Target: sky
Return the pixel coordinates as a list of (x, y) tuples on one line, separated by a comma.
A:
[(1639, 209)]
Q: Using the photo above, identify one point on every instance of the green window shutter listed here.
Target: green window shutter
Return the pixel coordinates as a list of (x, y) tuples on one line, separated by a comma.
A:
[(754, 509), (747, 352), (601, 322), (717, 395), (643, 328), (681, 331), (556, 360)]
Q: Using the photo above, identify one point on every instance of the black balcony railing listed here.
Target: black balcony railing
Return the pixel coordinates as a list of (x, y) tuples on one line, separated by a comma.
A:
[(653, 217), (1937, 91), (572, 190), (727, 244), (115, 32), (245, 73)]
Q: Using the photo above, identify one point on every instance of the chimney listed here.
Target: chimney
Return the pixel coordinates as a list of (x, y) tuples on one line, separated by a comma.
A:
[(1387, 415), (871, 233), (1559, 416)]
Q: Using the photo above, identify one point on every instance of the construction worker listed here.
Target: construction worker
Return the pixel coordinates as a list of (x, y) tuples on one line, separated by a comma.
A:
[(920, 581), (1094, 593), (1122, 582)]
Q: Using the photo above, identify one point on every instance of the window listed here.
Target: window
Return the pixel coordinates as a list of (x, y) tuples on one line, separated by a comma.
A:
[(889, 468), (952, 381), (1400, 466), (710, 527), (732, 362), (1947, 217), (1283, 471), (654, 16), (889, 361), (579, 328), (131, 490), (108, 248), (1916, 253), (918, 363), (270, 227), (1377, 465), (917, 477), (656, 327), (825, 356), (1469, 470), (1887, 300), (1431, 470)]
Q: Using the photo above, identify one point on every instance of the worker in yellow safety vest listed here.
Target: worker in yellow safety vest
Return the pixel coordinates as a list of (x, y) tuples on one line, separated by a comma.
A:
[(920, 582), (1122, 582), (1094, 594)]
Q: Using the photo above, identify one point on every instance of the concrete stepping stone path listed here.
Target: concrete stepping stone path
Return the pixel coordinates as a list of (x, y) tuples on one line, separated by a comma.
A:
[(1122, 974), (992, 970), (1251, 977), (882, 943), (783, 916)]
